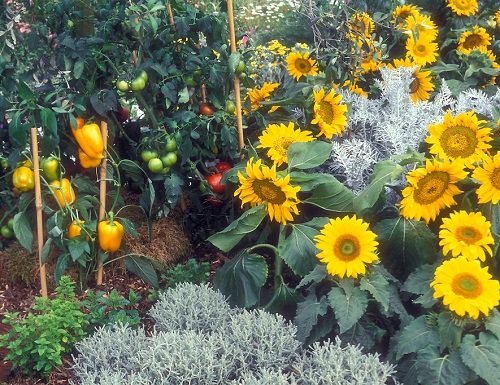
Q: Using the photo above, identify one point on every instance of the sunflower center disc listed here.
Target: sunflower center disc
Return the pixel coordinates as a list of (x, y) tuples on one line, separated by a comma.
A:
[(495, 178), (281, 145), (326, 112), (414, 85), (472, 41), (303, 66), (467, 286), (347, 248), (459, 142), (431, 187), (467, 234), (269, 192)]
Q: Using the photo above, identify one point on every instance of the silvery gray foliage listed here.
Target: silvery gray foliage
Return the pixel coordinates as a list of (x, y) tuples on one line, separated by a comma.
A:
[(187, 357), (246, 348), (383, 127), (126, 344), (330, 363), (477, 100), (191, 307), (260, 339), (265, 377)]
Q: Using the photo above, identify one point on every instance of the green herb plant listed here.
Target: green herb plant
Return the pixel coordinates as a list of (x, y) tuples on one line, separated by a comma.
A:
[(38, 342), (191, 271), (108, 309)]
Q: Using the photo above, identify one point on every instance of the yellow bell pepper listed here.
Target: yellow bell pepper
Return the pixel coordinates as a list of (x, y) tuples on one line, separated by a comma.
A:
[(86, 161), (23, 178), (110, 234), (75, 228), (89, 138), (63, 191)]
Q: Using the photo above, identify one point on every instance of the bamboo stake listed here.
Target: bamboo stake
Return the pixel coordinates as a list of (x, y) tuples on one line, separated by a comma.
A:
[(102, 191), (38, 204), (237, 91)]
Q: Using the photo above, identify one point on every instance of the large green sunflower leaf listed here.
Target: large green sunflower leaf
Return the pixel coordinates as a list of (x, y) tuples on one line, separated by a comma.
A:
[(241, 279), (298, 250), (419, 282), (383, 172), (493, 323), (305, 155), (449, 332), (284, 300), (436, 370), (416, 336), (378, 286), (349, 305), (482, 359), (308, 312), (309, 181), (232, 234), (405, 245), (332, 196)]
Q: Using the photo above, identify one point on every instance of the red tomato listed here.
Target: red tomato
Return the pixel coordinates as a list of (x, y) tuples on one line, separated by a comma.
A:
[(223, 166), (123, 114), (206, 109), (214, 181)]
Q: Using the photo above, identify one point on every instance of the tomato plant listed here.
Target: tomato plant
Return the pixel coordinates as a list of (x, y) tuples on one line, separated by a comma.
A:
[(138, 84), (7, 232), (206, 109), (155, 165), (169, 159), (170, 144), (149, 154), (123, 114), (222, 167), (122, 85)]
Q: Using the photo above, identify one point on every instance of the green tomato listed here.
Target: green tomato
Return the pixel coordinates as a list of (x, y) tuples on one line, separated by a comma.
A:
[(7, 232), (138, 84), (144, 75), (165, 171), (5, 163), (149, 154), (10, 223), (240, 67), (169, 159), (170, 144), (230, 107), (122, 85), (155, 165)]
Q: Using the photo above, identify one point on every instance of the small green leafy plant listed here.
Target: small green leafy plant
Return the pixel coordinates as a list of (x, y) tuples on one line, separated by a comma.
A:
[(38, 342), (191, 271), (107, 309)]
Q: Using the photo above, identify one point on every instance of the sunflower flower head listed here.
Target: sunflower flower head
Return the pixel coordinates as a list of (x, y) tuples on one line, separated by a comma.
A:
[(300, 64), (421, 50), (488, 174), (329, 114), (467, 234), (477, 37), (497, 18), (421, 84), (261, 185), (346, 246), (402, 12), (465, 287), (258, 95), (460, 138), (277, 138), (431, 189), (463, 7), (420, 25), (361, 24)]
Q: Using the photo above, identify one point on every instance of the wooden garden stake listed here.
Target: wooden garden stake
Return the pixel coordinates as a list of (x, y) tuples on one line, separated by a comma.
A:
[(237, 92), (102, 190), (38, 204)]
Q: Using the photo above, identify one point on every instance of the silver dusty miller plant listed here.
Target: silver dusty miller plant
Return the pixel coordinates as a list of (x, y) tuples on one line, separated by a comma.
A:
[(393, 124), (242, 347)]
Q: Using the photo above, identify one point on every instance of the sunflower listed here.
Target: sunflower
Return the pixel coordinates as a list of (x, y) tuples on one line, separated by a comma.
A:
[(299, 64), (431, 188), (467, 234), (257, 95), (497, 18), (422, 50), (421, 26), (402, 12), (355, 88), (421, 84), (463, 7), (277, 138), (361, 24), (477, 37), (488, 174), (483, 57), (369, 54), (262, 185), (466, 287), (460, 138), (346, 245), (329, 114)]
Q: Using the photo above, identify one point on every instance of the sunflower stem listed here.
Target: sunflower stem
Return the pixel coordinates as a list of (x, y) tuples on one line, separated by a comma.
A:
[(278, 261)]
